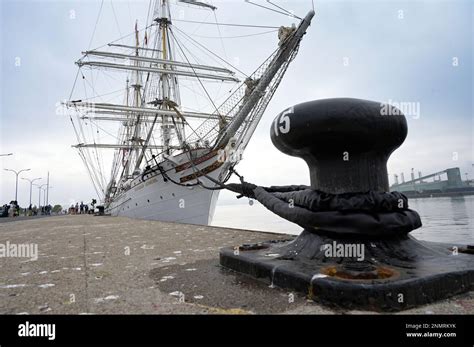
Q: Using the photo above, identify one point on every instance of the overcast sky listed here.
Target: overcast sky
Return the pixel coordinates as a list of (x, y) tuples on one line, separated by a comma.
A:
[(415, 51)]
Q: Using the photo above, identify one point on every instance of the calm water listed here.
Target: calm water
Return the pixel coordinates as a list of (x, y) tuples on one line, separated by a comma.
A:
[(444, 219)]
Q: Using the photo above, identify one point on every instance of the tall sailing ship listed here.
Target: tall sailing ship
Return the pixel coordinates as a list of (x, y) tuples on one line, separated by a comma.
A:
[(169, 158)]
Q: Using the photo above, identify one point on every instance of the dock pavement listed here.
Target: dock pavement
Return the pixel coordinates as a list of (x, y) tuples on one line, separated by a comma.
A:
[(113, 265)]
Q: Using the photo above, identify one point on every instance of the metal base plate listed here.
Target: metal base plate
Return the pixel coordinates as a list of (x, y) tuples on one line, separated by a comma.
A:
[(396, 274)]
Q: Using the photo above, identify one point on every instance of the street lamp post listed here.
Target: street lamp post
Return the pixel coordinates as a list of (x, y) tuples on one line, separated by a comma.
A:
[(31, 184), (39, 194), (45, 197), (47, 191), (17, 173)]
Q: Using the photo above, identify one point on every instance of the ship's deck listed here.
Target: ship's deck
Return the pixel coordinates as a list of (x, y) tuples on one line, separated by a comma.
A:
[(83, 267)]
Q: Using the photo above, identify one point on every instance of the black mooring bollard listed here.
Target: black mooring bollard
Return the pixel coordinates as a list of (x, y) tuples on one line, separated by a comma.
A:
[(345, 142), (355, 250)]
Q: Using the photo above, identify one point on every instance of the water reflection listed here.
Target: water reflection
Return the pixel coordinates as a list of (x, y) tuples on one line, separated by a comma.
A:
[(446, 219), (458, 206)]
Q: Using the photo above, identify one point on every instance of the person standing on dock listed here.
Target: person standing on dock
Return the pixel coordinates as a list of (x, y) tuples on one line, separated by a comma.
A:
[(13, 209)]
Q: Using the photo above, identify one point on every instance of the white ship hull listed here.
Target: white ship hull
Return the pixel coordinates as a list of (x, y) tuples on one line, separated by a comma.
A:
[(155, 197)]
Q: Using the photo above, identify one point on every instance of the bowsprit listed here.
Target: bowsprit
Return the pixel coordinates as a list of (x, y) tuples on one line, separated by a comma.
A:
[(348, 207)]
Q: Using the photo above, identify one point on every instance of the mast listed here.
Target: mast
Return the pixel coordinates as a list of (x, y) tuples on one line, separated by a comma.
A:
[(164, 21), (167, 82), (127, 133), (137, 99)]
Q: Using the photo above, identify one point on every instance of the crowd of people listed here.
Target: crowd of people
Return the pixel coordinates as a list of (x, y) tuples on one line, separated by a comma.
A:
[(13, 210), (10, 210), (81, 208)]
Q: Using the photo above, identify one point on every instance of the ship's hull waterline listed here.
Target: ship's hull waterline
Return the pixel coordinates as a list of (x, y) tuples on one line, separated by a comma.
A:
[(156, 197)]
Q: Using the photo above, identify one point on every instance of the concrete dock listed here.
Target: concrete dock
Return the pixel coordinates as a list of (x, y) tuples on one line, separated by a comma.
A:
[(111, 265)]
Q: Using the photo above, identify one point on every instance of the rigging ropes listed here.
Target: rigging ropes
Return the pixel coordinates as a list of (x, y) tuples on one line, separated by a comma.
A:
[(196, 43), (286, 13), (96, 22), (194, 71), (234, 37), (227, 24)]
